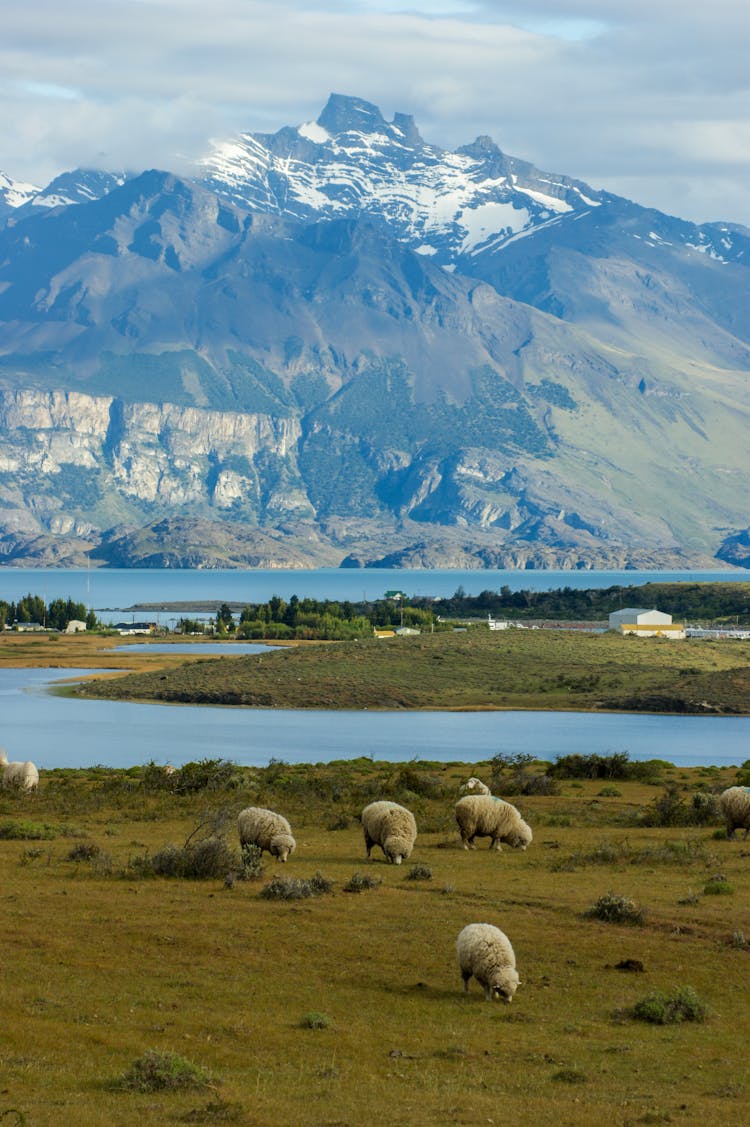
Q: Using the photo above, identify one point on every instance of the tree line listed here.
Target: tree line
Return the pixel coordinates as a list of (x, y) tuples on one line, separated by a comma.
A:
[(32, 610)]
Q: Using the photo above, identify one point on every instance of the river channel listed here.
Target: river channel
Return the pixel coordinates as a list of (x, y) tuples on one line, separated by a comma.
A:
[(62, 732)]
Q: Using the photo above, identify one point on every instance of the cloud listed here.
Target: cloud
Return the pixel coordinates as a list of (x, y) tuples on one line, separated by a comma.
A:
[(652, 96)]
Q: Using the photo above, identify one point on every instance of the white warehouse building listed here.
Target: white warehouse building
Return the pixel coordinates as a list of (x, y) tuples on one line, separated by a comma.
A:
[(645, 623)]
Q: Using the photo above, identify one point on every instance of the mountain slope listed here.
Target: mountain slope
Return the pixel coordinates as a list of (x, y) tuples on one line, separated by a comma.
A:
[(346, 338)]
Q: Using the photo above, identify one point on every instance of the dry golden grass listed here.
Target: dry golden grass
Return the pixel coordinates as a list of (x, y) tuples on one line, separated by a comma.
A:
[(98, 968)]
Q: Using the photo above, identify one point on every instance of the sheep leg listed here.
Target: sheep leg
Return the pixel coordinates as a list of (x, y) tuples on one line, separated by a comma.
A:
[(368, 844), (466, 978)]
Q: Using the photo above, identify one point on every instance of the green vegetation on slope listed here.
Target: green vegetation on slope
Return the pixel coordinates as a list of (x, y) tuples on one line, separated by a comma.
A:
[(476, 669)]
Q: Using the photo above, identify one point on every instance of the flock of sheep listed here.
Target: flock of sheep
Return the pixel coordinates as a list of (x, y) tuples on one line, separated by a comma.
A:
[(484, 951)]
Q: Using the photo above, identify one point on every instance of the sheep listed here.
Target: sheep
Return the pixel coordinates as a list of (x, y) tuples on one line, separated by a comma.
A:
[(476, 785), (486, 952), (735, 806), (18, 776), (481, 815), (390, 826), (267, 830)]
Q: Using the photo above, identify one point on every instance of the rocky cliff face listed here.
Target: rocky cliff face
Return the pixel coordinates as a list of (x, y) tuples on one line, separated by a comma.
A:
[(64, 451)]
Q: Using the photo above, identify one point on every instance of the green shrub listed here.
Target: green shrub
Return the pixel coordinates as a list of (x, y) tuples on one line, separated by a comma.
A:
[(670, 809), (360, 882), (718, 885), (84, 851), (315, 1020), (252, 866), (211, 858), (616, 910), (162, 1071), (296, 888), (27, 831), (205, 774), (419, 872), (658, 1008)]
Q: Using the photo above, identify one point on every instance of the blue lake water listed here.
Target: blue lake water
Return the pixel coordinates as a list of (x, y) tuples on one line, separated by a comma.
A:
[(59, 732), (111, 592)]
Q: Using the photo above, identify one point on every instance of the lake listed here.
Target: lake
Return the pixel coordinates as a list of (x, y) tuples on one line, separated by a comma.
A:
[(60, 732), (112, 592)]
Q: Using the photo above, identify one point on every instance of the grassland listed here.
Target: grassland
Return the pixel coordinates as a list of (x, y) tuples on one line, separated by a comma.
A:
[(101, 963), (519, 669)]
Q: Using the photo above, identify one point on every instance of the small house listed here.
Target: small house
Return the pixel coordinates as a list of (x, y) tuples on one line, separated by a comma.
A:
[(75, 626)]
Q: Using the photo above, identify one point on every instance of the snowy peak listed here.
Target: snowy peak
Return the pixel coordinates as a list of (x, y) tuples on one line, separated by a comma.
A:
[(352, 162), (14, 194)]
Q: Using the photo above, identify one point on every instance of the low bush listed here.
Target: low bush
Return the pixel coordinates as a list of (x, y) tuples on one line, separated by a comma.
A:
[(670, 809), (718, 885), (616, 909), (419, 872), (296, 888), (211, 858), (27, 831), (205, 774), (361, 882), (616, 766), (162, 1071), (658, 1008), (314, 1020)]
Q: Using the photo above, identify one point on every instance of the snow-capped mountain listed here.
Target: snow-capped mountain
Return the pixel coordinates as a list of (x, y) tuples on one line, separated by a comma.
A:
[(81, 185), (352, 162), (14, 194), (358, 341)]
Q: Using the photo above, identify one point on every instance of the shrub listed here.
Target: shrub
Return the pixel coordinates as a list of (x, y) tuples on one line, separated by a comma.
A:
[(315, 1020), (616, 766), (252, 866), (658, 1008), (610, 792), (156, 778), (296, 888), (670, 809), (27, 831), (511, 775), (419, 872), (205, 774), (162, 1071), (359, 882), (84, 851), (615, 909), (209, 859), (718, 885)]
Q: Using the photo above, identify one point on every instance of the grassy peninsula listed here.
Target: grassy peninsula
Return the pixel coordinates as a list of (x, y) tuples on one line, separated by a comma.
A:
[(477, 669), (138, 989)]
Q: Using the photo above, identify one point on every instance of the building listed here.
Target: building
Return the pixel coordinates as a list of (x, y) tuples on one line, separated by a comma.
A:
[(645, 623), (75, 626)]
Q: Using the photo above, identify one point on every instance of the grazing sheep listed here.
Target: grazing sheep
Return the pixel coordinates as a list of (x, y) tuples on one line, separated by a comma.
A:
[(18, 776), (477, 786), (735, 806), (485, 952), (267, 830), (390, 826), (482, 815)]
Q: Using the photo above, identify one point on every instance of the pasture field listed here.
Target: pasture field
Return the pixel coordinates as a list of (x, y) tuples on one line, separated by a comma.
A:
[(347, 1008), (477, 669)]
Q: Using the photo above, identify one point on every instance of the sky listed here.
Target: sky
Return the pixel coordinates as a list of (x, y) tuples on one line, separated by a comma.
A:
[(646, 98)]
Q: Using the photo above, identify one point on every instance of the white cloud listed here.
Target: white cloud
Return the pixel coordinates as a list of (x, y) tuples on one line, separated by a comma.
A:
[(653, 96)]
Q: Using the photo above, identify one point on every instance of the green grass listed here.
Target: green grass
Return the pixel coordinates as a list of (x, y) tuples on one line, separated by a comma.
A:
[(537, 669), (101, 966)]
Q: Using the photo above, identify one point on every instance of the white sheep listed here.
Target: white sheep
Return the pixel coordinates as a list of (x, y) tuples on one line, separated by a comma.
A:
[(18, 776), (266, 829), (476, 785), (390, 826), (735, 806), (486, 952), (482, 815)]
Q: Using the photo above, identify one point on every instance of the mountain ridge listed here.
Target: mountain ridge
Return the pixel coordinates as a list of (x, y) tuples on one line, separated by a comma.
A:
[(538, 391)]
